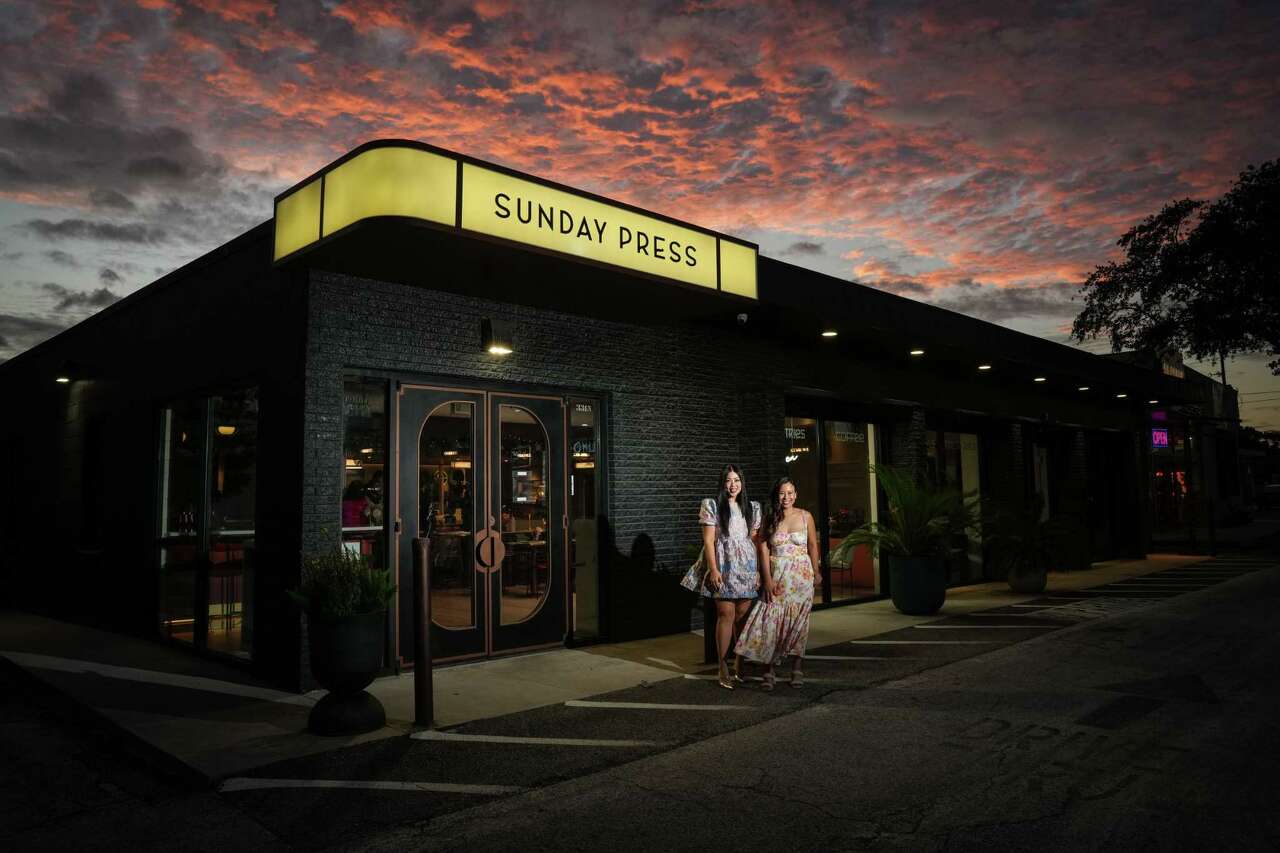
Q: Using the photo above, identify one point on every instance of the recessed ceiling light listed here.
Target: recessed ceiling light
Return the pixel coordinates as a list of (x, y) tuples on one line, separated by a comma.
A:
[(984, 367), (1152, 402), (830, 333), (1040, 379), (63, 380), (1121, 396), (497, 350), (1083, 388), (917, 352)]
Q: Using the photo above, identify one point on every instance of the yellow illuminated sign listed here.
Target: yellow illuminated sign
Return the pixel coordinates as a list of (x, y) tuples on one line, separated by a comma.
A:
[(407, 181), (522, 211), (391, 182)]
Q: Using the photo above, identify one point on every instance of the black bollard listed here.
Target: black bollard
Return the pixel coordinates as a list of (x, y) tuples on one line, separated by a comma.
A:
[(423, 692)]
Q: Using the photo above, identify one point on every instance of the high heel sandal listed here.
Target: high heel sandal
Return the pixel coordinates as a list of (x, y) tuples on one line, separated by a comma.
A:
[(725, 681), (768, 681), (797, 678)]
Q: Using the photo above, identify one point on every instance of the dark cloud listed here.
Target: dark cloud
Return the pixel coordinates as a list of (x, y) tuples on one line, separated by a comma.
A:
[(68, 299), (106, 275), (21, 333), (901, 287), (803, 247), (999, 304), (62, 258), (111, 200), (531, 103), (82, 229), (744, 80)]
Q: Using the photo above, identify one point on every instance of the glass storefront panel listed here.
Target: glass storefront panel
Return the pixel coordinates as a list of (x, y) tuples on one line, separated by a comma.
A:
[(207, 507), (804, 469), (446, 507), (584, 557), (233, 457), (182, 452), (850, 504), (953, 461), (523, 477), (364, 462)]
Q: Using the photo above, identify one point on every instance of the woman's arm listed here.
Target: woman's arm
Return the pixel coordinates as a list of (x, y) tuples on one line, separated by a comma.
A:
[(815, 553), (766, 575), (714, 578)]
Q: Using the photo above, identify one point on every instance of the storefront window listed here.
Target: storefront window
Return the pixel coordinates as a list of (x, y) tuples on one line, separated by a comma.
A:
[(181, 455), (952, 461), (233, 451), (207, 523), (364, 462), (850, 504)]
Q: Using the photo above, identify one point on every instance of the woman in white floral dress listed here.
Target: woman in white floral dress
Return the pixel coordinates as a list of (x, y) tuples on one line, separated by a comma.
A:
[(729, 526), (779, 627)]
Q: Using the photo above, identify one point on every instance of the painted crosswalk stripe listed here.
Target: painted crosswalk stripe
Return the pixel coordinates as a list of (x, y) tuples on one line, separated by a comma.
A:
[(458, 737), (248, 784), (651, 706)]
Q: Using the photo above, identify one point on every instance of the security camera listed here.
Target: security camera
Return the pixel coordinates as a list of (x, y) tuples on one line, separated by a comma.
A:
[(742, 319)]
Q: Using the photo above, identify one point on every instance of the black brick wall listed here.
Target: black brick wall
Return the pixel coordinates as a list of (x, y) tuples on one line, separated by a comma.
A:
[(684, 399)]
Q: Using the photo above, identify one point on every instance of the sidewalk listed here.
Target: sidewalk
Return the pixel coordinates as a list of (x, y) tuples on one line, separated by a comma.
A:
[(215, 721)]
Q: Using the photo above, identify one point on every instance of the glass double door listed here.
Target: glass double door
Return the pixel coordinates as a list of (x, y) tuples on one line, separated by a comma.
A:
[(482, 476)]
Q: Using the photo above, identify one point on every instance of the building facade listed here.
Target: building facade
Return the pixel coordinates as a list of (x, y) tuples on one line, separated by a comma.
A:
[(421, 343)]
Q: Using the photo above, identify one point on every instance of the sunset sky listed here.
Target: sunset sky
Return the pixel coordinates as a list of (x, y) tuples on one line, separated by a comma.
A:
[(982, 156)]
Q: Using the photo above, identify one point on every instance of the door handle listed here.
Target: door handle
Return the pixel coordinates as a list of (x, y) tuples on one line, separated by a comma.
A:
[(490, 550)]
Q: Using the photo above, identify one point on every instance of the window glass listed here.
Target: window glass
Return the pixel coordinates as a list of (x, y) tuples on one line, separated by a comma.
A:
[(233, 471), (850, 494), (364, 462), (526, 568), (446, 507), (181, 455)]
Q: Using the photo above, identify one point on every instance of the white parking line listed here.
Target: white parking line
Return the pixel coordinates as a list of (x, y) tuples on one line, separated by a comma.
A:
[(457, 737), (923, 642), (981, 627), (782, 676), (855, 657), (150, 676), (666, 662), (247, 784), (651, 706)]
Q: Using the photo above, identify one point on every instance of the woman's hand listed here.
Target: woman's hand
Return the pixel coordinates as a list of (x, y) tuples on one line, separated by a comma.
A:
[(715, 580)]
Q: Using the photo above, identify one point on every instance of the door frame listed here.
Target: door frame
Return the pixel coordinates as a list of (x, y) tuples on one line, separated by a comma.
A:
[(398, 383)]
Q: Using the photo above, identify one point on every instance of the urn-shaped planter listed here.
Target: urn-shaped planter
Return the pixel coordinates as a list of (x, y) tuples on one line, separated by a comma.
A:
[(918, 585), (1028, 582), (346, 654)]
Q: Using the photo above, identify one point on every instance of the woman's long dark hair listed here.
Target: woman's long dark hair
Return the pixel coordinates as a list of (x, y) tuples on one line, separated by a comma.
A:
[(722, 502), (773, 517)]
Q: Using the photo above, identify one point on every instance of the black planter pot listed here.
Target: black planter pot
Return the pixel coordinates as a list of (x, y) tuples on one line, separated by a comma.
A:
[(917, 585), (346, 655), (1028, 583)]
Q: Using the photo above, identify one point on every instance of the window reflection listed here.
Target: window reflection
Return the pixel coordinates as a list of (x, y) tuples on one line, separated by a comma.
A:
[(522, 477), (364, 458), (181, 455), (233, 459), (850, 504), (446, 507)]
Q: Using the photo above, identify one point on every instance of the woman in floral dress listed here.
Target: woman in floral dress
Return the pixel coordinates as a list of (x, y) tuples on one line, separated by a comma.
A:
[(729, 526), (779, 627)]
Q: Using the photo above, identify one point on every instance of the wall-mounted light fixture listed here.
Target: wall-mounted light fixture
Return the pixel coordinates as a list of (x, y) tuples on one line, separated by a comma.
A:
[(495, 337)]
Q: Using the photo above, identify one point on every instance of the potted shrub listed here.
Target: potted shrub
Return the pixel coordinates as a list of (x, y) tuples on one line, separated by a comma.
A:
[(1023, 546), (915, 538), (346, 604)]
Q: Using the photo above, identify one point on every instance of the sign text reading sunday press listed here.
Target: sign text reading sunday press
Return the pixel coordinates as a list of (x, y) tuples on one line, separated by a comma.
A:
[(595, 230)]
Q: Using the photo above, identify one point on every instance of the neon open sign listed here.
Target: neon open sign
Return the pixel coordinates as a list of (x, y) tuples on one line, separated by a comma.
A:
[(1159, 438)]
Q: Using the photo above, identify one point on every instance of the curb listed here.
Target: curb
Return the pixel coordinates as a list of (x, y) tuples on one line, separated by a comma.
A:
[(113, 737)]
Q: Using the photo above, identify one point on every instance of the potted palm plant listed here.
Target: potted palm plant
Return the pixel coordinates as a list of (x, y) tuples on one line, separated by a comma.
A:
[(346, 604), (1024, 545), (915, 538)]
